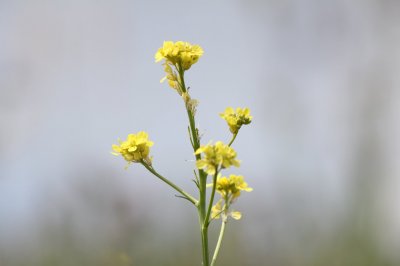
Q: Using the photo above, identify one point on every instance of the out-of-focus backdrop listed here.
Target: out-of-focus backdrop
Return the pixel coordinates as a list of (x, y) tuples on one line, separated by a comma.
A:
[(322, 154)]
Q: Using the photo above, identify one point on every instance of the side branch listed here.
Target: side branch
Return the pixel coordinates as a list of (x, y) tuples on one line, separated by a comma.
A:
[(221, 236), (233, 139), (181, 191), (207, 219)]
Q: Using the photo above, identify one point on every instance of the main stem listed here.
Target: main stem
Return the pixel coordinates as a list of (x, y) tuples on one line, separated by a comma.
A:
[(201, 207)]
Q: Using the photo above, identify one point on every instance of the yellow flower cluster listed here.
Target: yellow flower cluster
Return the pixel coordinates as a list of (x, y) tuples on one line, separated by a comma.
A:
[(230, 189), (180, 54), (135, 148), (215, 157), (236, 119)]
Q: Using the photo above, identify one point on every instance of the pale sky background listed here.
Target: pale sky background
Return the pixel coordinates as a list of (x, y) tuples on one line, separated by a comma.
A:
[(320, 77)]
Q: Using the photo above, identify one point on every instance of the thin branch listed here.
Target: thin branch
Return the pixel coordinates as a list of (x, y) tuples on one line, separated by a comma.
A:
[(181, 191)]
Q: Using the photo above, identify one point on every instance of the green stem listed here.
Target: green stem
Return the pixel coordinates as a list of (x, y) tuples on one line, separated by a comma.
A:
[(181, 191), (233, 139), (221, 235), (201, 207), (192, 124), (181, 72), (207, 218), (193, 131), (204, 241), (202, 213)]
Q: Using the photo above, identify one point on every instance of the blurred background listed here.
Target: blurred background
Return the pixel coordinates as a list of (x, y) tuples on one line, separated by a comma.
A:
[(322, 154)]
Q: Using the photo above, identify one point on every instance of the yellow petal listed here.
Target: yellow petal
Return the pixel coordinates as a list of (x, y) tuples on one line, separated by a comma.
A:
[(158, 56), (210, 170), (201, 164), (236, 215), (116, 148), (248, 189), (132, 149)]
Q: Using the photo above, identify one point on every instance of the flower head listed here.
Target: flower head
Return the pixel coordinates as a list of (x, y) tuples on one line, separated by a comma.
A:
[(215, 157), (232, 186), (229, 188), (236, 119), (135, 148), (182, 54)]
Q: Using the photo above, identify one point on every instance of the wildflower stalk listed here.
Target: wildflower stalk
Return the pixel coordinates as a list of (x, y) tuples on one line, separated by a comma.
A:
[(201, 207), (204, 210), (211, 159), (193, 130), (181, 191)]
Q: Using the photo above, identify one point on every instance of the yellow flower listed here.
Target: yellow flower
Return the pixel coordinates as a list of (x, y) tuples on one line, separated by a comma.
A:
[(232, 186), (230, 189), (179, 54), (236, 215), (217, 210), (216, 157), (166, 50), (236, 119), (135, 148)]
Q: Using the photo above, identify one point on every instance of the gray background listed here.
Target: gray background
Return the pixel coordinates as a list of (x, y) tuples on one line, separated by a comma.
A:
[(320, 77)]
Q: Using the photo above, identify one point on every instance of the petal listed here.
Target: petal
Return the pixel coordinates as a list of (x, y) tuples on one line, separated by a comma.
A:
[(199, 150), (201, 164), (132, 149), (150, 143), (229, 110), (116, 148), (236, 215), (158, 56), (210, 170)]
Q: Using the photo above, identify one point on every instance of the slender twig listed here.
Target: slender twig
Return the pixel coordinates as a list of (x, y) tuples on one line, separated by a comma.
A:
[(233, 139), (181, 191), (210, 204), (221, 236)]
